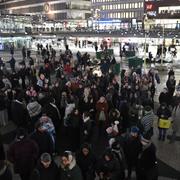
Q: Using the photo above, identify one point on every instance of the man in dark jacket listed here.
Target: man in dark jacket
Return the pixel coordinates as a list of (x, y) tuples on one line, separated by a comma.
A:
[(52, 111), (132, 149), (19, 112), (69, 169), (12, 63), (171, 84), (147, 162), (23, 153), (164, 96), (109, 167), (43, 139), (46, 169)]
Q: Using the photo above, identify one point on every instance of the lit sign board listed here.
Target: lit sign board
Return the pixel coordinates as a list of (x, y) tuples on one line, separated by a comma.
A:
[(149, 7)]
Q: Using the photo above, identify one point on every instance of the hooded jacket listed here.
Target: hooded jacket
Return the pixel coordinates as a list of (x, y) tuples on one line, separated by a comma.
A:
[(87, 163), (72, 172)]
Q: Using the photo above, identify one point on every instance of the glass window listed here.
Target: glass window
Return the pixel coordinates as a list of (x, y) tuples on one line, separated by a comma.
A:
[(142, 4), (127, 6), (136, 4), (132, 15), (127, 15)]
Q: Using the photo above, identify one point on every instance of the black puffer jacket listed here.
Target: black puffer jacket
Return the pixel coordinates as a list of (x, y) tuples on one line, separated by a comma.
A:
[(42, 173), (111, 169), (86, 163), (72, 172)]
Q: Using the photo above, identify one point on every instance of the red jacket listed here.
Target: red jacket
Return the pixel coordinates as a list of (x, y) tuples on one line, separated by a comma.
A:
[(67, 69)]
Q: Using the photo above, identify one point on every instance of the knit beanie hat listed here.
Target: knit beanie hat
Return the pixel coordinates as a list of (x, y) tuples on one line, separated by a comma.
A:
[(34, 108), (46, 157), (147, 109), (134, 129)]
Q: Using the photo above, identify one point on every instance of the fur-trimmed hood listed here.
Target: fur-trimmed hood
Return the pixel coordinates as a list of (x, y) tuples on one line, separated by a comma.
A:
[(71, 166)]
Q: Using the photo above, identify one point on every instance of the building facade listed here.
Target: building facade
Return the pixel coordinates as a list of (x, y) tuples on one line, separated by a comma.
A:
[(49, 9), (118, 13), (163, 13)]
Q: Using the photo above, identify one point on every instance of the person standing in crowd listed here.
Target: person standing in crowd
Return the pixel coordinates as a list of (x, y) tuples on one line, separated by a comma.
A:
[(73, 128), (12, 63), (163, 114), (171, 85), (171, 72), (175, 122), (68, 167), (101, 114), (34, 110), (132, 149), (5, 171), (164, 96), (109, 166), (43, 139), (24, 52), (23, 153), (147, 121), (20, 115), (46, 169), (147, 167), (52, 111), (86, 161), (86, 128)]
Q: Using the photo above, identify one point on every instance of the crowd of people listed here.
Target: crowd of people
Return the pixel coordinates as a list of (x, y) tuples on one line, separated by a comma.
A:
[(64, 97)]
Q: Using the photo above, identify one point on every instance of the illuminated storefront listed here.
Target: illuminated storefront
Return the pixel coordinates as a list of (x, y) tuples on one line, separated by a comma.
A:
[(49, 9), (16, 42)]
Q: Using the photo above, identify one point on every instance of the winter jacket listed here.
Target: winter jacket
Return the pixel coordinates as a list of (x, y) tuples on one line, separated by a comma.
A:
[(52, 111), (72, 172), (42, 173), (44, 142), (102, 107), (86, 130), (147, 164), (147, 159), (23, 154), (20, 115), (132, 149), (87, 164), (147, 121), (163, 113), (111, 169)]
